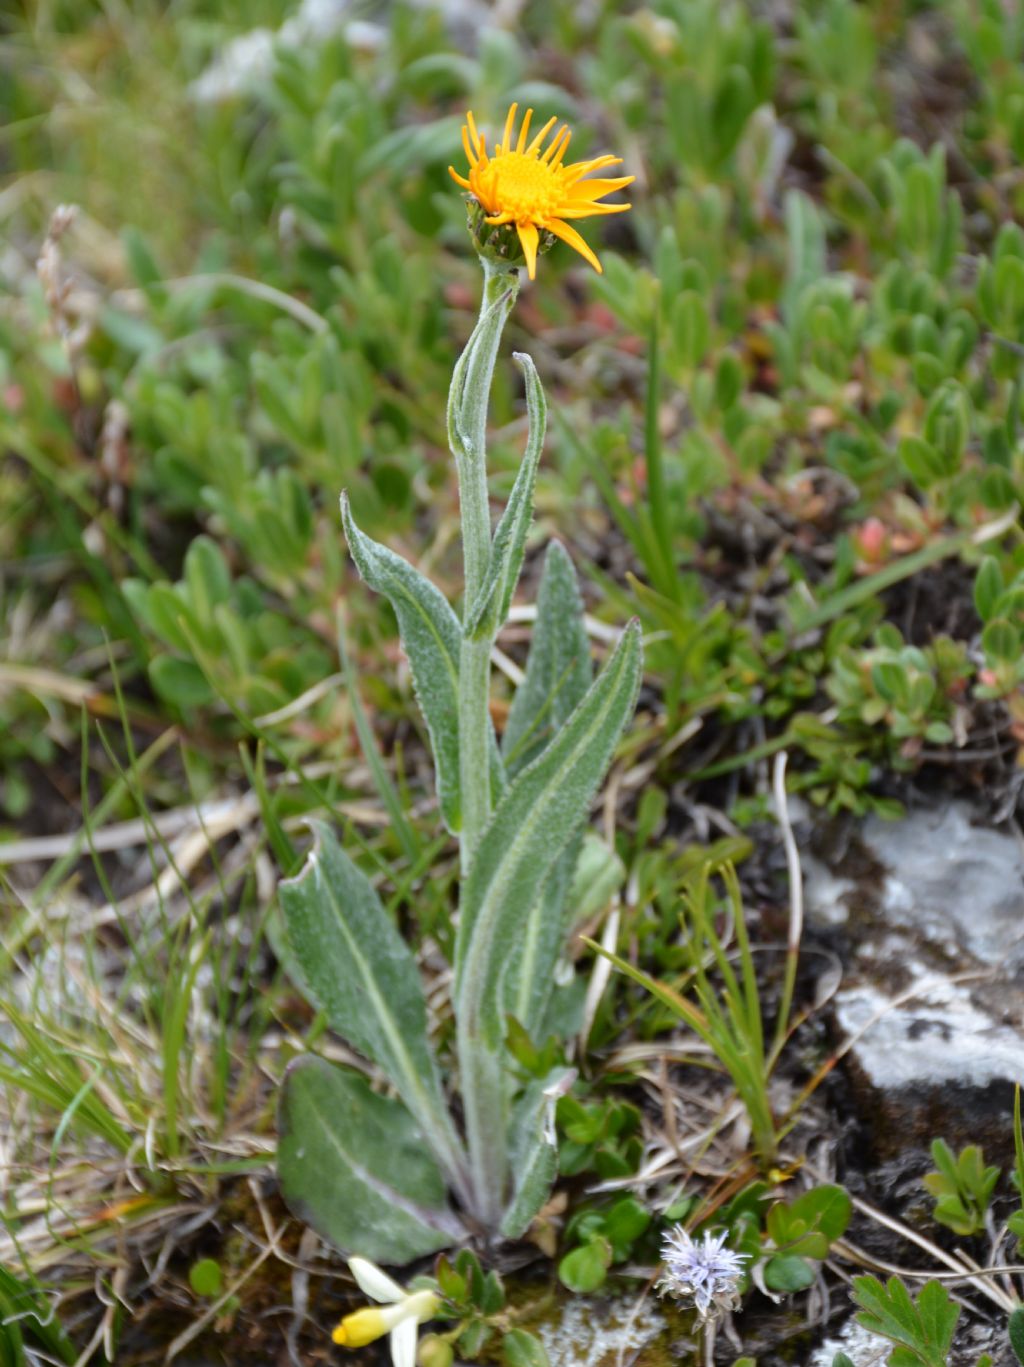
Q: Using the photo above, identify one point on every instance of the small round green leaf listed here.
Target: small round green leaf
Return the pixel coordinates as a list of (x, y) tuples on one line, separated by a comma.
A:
[(204, 1277), (584, 1269), (520, 1349), (788, 1273)]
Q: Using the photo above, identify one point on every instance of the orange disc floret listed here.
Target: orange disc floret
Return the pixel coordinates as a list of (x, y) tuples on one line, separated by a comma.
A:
[(532, 188)]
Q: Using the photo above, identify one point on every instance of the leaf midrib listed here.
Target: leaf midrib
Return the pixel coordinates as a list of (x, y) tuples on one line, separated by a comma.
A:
[(497, 885), (393, 1037), (379, 1187)]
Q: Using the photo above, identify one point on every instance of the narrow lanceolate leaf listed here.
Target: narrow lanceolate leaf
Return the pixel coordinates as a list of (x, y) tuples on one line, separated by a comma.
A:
[(471, 379), (558, 670), (490, 609), (530, 973), (534, 1180), (558, 674), (360, 972), (432, 639), (353, 1165), (534, 1149), (531, 826)]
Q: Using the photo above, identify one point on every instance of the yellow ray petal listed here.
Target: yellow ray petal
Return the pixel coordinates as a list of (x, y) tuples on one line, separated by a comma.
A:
[(485, 199), (539, 137), (496, 220), (594, 189), (573, 238), (471, 122), (529, 237), (586, 210), (471, 155), (506, 137), (572, 173), (458, 179), (524, 129), (562, 133)]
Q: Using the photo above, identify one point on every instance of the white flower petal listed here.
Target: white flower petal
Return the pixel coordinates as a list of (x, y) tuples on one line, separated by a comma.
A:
[(373, 1282), (403, 1343)]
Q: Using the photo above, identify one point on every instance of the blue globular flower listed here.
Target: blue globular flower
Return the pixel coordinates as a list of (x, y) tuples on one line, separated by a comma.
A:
[(705, 1272)]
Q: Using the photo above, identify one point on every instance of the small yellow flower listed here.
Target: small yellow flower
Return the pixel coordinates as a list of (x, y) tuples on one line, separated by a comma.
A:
[(400, 1314), (533, 190)]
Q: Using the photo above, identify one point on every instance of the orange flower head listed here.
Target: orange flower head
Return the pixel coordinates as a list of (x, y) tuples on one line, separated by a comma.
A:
[(533, 190)]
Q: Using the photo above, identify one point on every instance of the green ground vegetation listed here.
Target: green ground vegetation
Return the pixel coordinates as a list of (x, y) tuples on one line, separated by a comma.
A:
[(786, 430)]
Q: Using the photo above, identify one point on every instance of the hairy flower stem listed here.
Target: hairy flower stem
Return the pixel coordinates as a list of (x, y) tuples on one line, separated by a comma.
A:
[(708, 1344), (474, 756), (484, 1102), (474, 671), (482, 1076)]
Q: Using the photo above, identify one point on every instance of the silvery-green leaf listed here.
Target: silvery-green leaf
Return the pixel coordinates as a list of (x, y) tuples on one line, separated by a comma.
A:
[(353, 1165), (534, 1181), (529, 974), (585, 876), (471, 380), (360, 972), (558, 671), (534, 1149), (432, 639), (530, 828), (558, 674), (488, 612)]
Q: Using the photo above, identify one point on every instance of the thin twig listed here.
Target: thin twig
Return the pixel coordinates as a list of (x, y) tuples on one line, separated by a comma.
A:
[(796, 902), (256, 289)]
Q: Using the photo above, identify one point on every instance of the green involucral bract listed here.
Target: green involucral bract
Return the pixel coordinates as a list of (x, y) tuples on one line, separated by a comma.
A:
[(370, 1173)]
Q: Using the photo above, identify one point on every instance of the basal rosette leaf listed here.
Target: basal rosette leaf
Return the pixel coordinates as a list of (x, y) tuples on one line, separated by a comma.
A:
[(361, 973), (353, 1165), (533, 1148)]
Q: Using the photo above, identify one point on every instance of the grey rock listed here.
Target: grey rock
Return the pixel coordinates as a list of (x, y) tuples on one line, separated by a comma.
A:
[(861, 1347), (592, 1331), (930, 915), (954, 881)]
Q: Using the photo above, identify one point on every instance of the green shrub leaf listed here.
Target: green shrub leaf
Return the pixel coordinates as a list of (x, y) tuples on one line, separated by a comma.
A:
[(1016, 1332), (522, 1349), (788, 1273), (585, 1269)]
